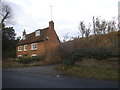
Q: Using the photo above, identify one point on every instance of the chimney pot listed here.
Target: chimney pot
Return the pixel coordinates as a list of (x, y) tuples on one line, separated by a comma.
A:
[(24, 32), (51, 25)]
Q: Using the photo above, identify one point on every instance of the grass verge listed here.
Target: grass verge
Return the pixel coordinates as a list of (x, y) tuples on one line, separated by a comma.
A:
[(10, 63), (91, 68)]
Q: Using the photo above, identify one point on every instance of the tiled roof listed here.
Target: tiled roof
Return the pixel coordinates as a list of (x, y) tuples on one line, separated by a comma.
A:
[(31, 38)]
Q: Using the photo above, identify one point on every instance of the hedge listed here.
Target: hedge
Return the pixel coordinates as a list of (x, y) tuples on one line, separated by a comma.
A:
[(26, 59), (96, 53)]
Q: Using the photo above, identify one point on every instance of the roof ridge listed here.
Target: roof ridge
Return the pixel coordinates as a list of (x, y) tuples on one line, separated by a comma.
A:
[(38, 29), (45, 28), (32, 38)]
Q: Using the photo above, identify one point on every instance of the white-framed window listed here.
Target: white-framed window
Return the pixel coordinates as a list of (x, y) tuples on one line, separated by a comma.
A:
[(19, 48), (34, 46), (19, 55), (37, 33), (33, 55), (25, 47)]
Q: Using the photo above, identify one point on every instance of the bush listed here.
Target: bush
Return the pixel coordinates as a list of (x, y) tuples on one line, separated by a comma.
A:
[(70, 61), (26, 59), (116, 54), (36, 58), (99, 54), (96, 53), (11, 54)]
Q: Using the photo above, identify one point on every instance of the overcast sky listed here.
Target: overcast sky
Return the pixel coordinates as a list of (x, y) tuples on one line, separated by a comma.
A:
[(36, 14)]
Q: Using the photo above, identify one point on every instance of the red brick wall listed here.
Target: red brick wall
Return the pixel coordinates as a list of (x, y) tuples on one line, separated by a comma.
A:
[(40, 50), (49, 48), (42, 47), (52, 45)]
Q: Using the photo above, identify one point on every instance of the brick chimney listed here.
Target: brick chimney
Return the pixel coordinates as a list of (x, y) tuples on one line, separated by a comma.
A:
[(51, 25), (24, 32)]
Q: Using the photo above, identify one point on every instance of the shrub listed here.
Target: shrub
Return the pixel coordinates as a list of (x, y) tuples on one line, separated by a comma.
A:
[(115, 54), (11, 54), (96, 53), (36, 58), (26, 59), (70, 61)]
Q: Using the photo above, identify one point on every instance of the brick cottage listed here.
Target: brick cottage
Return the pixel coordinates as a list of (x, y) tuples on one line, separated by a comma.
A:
[(42, 42)]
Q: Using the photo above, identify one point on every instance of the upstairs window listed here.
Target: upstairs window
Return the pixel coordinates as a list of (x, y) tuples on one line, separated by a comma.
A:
[(24, 37), (25, 47), (37, 33), (34, 46), (19, 48)]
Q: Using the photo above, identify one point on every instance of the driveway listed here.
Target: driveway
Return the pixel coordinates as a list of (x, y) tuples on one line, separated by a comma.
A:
[(45, 70), (48, 77)]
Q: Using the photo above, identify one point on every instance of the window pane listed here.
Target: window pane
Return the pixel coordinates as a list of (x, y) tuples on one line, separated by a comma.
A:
[(19, 48), (25, 47), (37, 33), (34, 46)]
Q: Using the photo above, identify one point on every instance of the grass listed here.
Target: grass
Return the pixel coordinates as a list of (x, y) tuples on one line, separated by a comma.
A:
[(91, 68), (14, 63), (23, 65)]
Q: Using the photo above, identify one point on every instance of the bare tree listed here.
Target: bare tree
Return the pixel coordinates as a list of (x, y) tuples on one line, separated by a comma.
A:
[(81, 28), (99, 26), (66, 37), (119, 26), (5, 12), (84, 30), (103, 26), (87, 30), (94, 26), (111, 26)]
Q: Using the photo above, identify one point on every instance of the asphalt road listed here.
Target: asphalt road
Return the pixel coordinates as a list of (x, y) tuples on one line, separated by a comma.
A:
[(47, 77)]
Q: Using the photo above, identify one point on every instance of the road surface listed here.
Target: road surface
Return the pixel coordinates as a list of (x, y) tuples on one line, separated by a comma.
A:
[(48, 77)]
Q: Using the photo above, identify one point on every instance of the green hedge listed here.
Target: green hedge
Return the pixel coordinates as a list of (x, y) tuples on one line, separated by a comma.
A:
[(97, 53), (71, 60)]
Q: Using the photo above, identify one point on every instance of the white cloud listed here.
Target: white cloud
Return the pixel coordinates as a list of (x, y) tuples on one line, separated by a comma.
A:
[(34, 14)]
